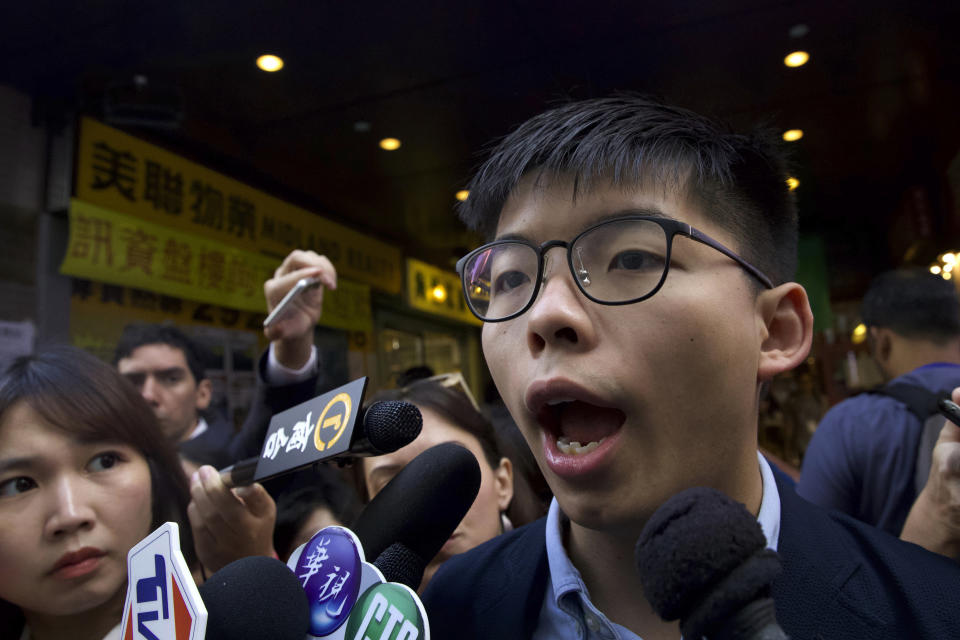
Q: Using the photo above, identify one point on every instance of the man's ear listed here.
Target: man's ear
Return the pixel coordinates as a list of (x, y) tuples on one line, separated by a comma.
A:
[(881, 344), (204, 394), (787, 327)]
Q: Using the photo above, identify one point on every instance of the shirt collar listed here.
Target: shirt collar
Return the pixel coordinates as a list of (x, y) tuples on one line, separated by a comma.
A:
[(200, 428)]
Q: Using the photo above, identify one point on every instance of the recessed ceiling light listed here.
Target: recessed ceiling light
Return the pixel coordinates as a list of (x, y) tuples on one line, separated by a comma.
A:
[(796, 59), (270, 62), (792, 183), (792, 135), (390, 144), (798, 30), (463, 195)]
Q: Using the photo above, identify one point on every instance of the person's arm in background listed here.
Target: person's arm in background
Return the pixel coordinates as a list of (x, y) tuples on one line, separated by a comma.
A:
[(287, 375), (934, 519)]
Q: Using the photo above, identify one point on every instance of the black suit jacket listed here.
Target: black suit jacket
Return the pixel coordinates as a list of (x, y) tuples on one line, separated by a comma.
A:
[(841, 579), (221, 446)]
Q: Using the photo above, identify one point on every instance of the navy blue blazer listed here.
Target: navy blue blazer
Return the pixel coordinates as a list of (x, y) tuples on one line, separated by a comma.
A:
[(841, 579)]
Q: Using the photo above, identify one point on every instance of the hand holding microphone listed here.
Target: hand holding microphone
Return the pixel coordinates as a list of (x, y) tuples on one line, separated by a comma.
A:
[(229, 524)]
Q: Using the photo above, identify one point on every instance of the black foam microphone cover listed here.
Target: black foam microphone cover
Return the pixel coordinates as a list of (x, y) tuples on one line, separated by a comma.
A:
[(399, 564), (255, 597), (702, 558), (391, 424), (423, 504)]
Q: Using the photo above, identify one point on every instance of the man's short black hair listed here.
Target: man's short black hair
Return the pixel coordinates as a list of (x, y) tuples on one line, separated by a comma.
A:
[(135, 336), (913, 303), (737, 181)]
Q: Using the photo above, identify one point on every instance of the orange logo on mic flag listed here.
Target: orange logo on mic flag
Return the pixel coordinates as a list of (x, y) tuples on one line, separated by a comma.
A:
[(329, 429)]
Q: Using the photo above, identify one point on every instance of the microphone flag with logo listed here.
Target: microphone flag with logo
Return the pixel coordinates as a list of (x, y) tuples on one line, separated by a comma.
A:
[(333, 426), (320, 428), (348, 597), (162, 601)]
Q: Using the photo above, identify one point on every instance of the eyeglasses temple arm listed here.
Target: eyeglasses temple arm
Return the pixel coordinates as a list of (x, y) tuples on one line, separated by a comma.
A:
[(699, 236)]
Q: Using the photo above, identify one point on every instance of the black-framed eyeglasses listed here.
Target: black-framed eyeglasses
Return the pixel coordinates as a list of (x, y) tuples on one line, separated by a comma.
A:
[(616, 262)]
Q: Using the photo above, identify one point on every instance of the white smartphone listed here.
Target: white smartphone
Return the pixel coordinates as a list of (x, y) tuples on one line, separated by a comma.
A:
[(302, 285)]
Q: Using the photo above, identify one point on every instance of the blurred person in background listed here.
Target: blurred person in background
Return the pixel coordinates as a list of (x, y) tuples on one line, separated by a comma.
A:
[(168, 369), (231, 523), (450, 414), (863, 458), (321, 498), (85, 474)]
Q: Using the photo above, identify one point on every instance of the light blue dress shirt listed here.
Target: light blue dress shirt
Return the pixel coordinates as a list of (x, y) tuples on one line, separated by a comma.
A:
[(568, 614)]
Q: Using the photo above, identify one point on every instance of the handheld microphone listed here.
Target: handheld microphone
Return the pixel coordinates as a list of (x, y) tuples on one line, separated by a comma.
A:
[(702, 558), (255, 597), (383, 428), (418, 510)]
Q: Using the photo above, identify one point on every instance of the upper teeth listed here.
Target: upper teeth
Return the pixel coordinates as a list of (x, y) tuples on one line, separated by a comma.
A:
[(557, 401)]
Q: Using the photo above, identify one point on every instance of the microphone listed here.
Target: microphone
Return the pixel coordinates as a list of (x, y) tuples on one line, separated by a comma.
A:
[(255, 597), (383, 428), (702, 558), (409, 521)]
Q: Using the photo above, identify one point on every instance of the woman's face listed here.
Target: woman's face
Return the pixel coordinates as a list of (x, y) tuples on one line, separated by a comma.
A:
[(69, 512), (482, 521)]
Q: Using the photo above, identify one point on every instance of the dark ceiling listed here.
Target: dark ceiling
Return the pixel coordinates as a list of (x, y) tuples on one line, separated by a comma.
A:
[(878, 100)]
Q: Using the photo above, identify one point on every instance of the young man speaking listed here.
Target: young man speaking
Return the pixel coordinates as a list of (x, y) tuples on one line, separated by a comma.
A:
[(636, 296)]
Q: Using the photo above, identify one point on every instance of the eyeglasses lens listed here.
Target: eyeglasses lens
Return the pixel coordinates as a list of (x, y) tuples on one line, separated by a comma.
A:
[(614, 262)]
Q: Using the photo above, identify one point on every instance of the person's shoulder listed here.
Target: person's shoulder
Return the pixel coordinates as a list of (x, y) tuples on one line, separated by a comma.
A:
[(937, 376), (864, 413), (475, 567), (506, 574), (862, 581)]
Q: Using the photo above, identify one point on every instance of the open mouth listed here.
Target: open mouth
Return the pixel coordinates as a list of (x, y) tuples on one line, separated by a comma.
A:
[(578, 427)]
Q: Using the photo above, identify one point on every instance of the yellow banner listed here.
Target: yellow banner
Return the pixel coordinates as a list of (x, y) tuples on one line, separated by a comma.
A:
[(99, 312), (121, 250), (437, 291), (121, 173)]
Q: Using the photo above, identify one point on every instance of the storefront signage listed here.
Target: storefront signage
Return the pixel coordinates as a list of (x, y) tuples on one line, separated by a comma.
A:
[(121, 173), (99, 312), (120, 249), (437, 291)]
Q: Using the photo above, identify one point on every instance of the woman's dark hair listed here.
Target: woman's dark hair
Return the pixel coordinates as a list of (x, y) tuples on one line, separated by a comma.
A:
[(455, 407), (314, 488), (86, 398)]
